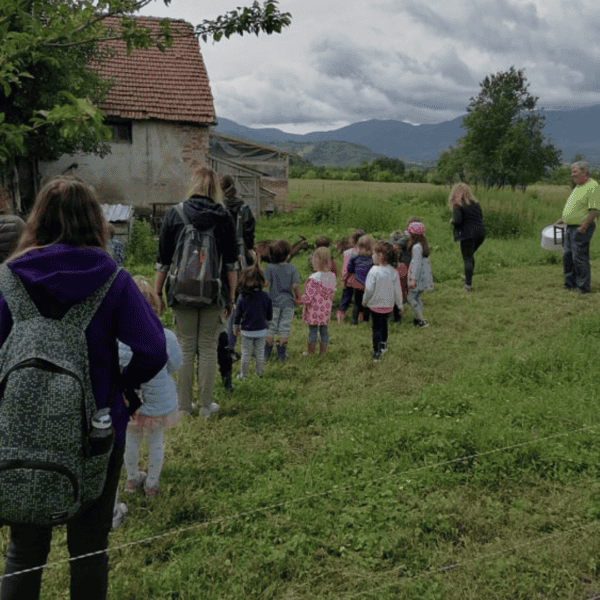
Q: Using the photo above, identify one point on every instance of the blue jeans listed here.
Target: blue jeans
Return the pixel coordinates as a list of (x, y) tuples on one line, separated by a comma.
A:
[(576, 258), (252, 346), (29, 547)]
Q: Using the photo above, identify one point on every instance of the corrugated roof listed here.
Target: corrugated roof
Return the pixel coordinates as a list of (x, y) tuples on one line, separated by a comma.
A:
[(117, 212), (149, 84)]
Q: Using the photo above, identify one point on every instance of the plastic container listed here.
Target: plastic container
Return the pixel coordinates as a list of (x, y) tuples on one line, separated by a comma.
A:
[(102, 434), (552, 237)]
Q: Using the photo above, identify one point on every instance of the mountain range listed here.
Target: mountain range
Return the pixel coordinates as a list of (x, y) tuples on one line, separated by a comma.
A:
[(572, 131)]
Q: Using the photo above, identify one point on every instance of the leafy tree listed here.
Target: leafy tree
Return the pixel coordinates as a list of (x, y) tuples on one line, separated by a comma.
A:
[(451, 165), (48, 91), (393, 165), (504, 143)]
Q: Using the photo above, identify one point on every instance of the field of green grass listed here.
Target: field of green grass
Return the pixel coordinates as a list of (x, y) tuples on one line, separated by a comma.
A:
[(463, 465)]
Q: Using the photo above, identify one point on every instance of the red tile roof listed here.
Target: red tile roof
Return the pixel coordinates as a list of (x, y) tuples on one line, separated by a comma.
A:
[(150, 84)]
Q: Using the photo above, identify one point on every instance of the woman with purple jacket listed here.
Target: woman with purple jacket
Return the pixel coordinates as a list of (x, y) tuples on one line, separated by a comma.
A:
[(62, 259)]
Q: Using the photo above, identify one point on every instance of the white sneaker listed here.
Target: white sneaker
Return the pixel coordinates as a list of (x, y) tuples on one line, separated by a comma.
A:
[(383, 347), (119, 513), (239, 376), (206, 411)]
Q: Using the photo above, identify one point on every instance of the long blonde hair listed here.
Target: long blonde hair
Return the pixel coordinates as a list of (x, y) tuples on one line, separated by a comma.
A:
[(321, 259), (205, 183), (461, 196)]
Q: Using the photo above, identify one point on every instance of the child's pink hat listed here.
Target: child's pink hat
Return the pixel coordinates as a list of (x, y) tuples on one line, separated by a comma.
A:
[(416, 227)]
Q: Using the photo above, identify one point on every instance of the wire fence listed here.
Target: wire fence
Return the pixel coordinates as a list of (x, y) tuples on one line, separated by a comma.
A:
[(342, 489)]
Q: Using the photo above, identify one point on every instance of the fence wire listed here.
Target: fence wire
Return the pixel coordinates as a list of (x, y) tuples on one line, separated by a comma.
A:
[(285, 503)]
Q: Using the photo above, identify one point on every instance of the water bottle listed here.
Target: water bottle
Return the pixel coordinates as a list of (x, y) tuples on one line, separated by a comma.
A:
[(102, 434)]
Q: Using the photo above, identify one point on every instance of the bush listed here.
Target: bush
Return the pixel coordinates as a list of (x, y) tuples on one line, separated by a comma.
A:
[(325, 211), (506, 225), (142, 246)]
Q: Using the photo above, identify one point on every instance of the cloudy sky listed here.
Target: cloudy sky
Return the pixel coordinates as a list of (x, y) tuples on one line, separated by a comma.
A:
[(341, 62)]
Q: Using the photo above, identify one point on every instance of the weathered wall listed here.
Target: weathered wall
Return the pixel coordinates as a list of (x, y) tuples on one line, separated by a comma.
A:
[(155, 167)]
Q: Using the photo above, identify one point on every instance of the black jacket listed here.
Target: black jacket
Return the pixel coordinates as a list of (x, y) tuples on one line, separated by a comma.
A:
[(468, 222), (204, 214)]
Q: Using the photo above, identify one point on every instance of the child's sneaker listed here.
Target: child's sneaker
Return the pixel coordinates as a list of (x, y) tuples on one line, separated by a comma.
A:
[(119, 512), (376, 356), (467, 287), (422, 323), (206, 411), (383, 347), (131, 485), (240, 376)]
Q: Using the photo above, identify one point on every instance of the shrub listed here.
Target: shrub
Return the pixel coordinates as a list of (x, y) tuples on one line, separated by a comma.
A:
[(142, 246), (325, 211), (506, 225)]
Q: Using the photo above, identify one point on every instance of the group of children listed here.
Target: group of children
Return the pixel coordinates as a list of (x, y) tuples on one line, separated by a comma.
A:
[(378, 276)]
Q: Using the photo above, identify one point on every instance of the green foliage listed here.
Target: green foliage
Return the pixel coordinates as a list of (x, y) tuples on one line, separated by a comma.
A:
[(506, 225), (504, 144), (49, 93), (381, 170), (142, 247)]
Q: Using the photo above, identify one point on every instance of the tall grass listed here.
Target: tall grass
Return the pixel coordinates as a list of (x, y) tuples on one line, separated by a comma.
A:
[(457, 467)]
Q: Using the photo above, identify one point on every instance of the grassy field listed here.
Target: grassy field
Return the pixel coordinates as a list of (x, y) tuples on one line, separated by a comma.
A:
[(462, 465)]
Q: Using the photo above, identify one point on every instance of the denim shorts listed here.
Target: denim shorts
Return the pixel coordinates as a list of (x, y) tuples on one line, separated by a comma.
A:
[(282, 322)]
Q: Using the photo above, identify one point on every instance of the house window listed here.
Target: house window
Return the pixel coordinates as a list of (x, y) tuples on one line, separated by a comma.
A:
[(121, 131)]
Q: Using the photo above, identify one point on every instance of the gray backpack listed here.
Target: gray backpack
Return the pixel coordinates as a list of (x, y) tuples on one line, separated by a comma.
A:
[(48, 470), (194, 279)]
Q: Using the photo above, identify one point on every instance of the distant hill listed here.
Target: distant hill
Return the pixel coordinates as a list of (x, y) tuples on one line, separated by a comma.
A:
[(573, 131), (340, 154)]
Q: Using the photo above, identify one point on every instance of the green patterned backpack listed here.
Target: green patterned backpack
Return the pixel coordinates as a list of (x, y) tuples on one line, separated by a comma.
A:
[(48, 470)]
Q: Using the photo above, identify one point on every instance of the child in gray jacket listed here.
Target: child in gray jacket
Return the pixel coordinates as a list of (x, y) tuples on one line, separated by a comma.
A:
[(158, 410)]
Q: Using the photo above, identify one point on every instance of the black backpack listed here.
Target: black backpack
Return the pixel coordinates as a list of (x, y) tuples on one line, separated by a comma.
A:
[(49, 470), (194, 278)]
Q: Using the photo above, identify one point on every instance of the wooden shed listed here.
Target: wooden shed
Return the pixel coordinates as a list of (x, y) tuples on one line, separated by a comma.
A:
[(260, 170)]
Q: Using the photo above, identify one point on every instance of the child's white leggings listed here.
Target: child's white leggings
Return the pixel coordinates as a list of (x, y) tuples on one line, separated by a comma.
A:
[(155, 439)]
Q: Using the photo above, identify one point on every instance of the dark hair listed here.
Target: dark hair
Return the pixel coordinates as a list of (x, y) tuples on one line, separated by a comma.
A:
[(322, 242), (65, 211), (250, 279), (389, 251), (228, 186), (280, 250), (356, 235), (418, 238)]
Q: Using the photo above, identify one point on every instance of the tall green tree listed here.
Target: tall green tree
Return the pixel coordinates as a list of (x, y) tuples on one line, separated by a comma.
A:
[(504, 143), (49, 93)]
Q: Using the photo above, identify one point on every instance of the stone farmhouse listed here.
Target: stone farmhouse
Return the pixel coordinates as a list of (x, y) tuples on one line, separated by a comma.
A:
[(160, 110)]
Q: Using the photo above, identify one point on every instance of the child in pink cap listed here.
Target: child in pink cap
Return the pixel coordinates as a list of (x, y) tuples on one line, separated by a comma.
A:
[(420, 277)]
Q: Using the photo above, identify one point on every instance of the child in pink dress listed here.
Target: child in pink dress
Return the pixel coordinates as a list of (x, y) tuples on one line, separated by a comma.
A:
[(317, 299)]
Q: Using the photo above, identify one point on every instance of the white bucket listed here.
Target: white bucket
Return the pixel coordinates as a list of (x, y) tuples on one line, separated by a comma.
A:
[(552, 237)]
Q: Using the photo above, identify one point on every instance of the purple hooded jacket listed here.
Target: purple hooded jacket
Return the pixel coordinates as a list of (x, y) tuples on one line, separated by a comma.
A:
[(60, 275)]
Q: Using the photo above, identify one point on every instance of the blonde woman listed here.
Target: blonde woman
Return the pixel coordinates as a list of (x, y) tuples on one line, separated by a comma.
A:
[(198, 329), (469, 230)]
